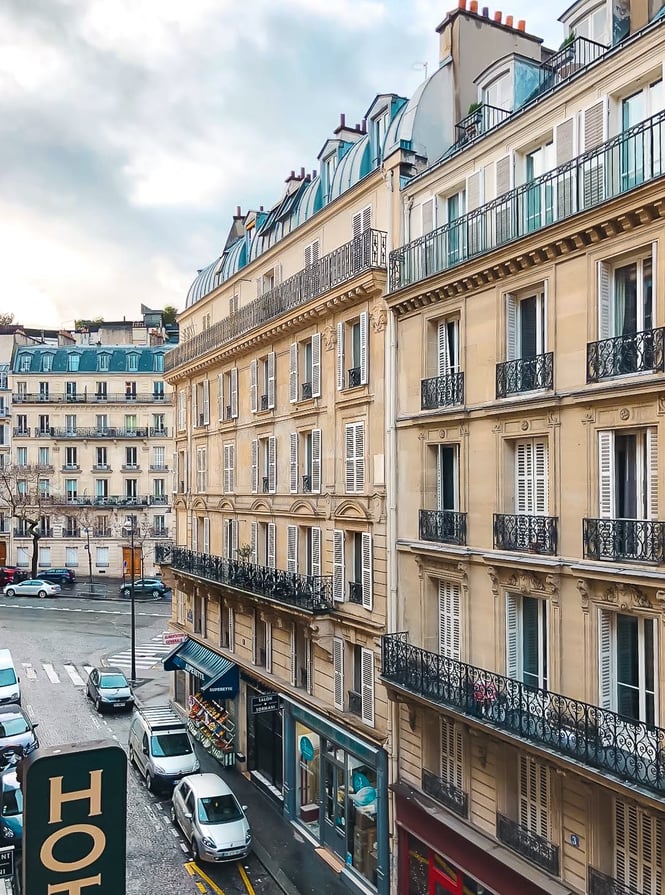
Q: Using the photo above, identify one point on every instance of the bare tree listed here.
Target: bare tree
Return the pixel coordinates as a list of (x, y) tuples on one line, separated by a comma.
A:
[(85, 517), (25, 496), (6, 318), (142, 531)]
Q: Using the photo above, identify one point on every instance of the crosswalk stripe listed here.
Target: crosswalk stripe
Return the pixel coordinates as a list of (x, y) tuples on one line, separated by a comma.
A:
[(51, 673), (30, 672), (87, 669), (74, 675)]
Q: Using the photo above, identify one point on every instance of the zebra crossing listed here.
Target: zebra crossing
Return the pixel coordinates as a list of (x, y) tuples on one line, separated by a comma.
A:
[(77, 675), (148, 655)]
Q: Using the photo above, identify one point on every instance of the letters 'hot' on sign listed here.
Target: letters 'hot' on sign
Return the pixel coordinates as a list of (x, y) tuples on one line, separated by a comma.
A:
[(75, 820)]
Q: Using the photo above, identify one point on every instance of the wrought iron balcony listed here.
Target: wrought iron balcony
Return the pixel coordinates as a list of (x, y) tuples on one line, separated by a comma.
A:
[(632, 752), (603, 884), (477, 123), (356, 592), (526, 374), (72, 467), (355, 703), (306, 390), (442, 391), (585, 182), (354, 377), (92, 398), (158, 467), (574, 57), (640, 352), (534, 848), (309, 593), (442, 526), (22, 533), (526, 534), (447, 793), (101, 532), (22, 431), (363, 253), (71, 533), (156, 532), (102, 467), (263, 404), (164, 553), (159, 432), (159, 500), (307, 484), (96, 432), (641, 540)]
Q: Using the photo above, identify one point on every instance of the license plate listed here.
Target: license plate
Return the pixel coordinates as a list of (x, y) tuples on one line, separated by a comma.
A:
[(118, 705)]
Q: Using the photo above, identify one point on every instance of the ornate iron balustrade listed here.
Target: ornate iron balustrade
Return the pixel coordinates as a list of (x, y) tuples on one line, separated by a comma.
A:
[(159, 500), (477, 123), (307, 484), (158, 467), (70, 533), (159, 532), (94, 432), (535, 848), (354, 377), (442, 526), (641, 540), (158, 432), (310, 593), (620, 356), (526, 374), (445, 792), (306, 390), (22, 431), (356, 592), (571, 59), (442, 391), (102, 532), (630, 751), (362, 253), (602, 884), (355, 702), (632, 158), (164, 553), (94, 398), (528, 534)]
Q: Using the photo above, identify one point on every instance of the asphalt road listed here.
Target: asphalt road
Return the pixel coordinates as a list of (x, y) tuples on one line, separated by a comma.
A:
[(53, 643)]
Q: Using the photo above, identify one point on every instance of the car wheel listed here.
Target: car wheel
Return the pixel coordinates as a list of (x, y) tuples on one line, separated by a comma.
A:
[(41, 594), (174, 819), (156, 593), (126, 592), (148, 781), (132, 759), (10, 592), (64, 581), (195, 849), (98, 705)]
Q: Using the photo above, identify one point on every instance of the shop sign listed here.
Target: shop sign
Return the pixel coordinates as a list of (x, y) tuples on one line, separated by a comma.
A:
[(268, 702), (7, 862), (306, 748), (173, 638), (75, 820)]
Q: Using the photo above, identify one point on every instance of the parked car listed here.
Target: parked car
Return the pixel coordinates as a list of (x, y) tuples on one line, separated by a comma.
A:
[(211, 819), (154, 586), (10, 574), (160, 748), (10, 682), (32, 587), (109, 689), (11, 811), (63, 577), (16, 729)]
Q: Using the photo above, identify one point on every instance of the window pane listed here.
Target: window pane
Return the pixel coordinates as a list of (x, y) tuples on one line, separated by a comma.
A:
[(530, 651), (627, 667)]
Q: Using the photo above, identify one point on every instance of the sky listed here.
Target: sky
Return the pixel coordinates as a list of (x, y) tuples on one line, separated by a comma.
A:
[(131, 129)]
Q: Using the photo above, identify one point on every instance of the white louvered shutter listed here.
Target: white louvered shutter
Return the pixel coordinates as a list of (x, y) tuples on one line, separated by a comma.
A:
[(232, 629), (450, 640), (293, 462), (639, 848), (259, 287), (338, 673), (253, 385), (206, 402), (534, 796), (272, 464), (228, 468), (605, 328), (292, 549), (452, 753), (367, 689), (652, 472), (511, 327), (254, 541), (605, 695), (294, 669), (174, 481), (428, 220), (565, 141), (270, 549), (271, 380), (355, 457), (206, 534), (540, 478), (316, 365), (364, 348), (512, 636), (293, 372), (474, 190), (443, 350), (504, 175), (227, 538), (316, 551), (195, 534), (606, 474), (185, 457), (366, 580), (309, 665), (316, 461), (268, 647), (338, 565), (340, 356), (234, 538), (220, 396), (255, 622), (524, 478), (592, 171), (566, 183), (255, 465), (195, 412), (594, 124), (366, 218), (234, 393)]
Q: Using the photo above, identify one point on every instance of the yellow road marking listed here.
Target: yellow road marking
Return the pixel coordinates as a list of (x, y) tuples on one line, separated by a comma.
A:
[(207, 879), (202, 889), (245, 879), (190, 867)]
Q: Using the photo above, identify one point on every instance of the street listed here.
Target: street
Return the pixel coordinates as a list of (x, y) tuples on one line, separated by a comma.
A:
[(54, 643)]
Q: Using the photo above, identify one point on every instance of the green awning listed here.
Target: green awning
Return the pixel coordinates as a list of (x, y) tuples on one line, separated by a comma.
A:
[(219, 676)]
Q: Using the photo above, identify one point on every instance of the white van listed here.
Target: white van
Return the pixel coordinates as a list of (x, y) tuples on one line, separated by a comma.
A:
[(160, 747), (10, 683)]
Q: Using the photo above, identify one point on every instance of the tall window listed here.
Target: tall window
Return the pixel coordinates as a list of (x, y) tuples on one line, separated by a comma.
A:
[(625, 302), (353, 352), (22, 456), (526, 640), (447, 477), (264, 465), (305, 457), (201, 470), (262, 383), (73, 361), (133, 361), (71, 457), (44, 424), (158, 427), (628, 474), (229, 467), (130, 422), (102, 422), (305, 369), (449, 628), (101, 457), (354, 457), (227, 394), (539, 197), (531, 477), (159, 457), (103, 362), (639, 848), (627, 673), (158, 390), (534, 796), (101, 391), (102, 557), (525, 326)]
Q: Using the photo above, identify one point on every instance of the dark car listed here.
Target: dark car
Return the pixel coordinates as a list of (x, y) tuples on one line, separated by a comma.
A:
[(109, 689), (12, 575), (63, 577), (142, 586), (16, 729), (11, 811)]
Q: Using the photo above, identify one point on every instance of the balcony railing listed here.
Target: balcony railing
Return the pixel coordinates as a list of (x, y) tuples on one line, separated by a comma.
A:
[(92, 398), (641, 540), (640, 352), (355, 703), (534, 848), (309, 593), (95, 432), (442, 526), (159, 500), (526, 534), (363, 253), (158, 467), (447, 793), (630, 751), (159, 532), (121, 500), (478, 122), (573, 58), (602, 884), (307, 484), (442, 391), (22, 431), (158, 432), (306, 390), (71, 533), (354, 375), (102, 533), (628, 160), (263, 404), (356, 592), (526, 374)]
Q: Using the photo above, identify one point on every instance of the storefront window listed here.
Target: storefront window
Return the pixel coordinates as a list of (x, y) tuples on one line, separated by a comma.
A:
[(432, 874), (264, 743), (307, 778)]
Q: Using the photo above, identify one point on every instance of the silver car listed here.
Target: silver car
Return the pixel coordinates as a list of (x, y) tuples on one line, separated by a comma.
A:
[(211, 818), (33, 587)]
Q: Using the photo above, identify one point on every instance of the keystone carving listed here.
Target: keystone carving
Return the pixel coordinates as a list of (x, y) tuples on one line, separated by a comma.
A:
[(329, 337)]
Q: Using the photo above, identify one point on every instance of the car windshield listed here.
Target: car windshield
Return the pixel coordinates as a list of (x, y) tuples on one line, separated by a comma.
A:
[(170, 744), (112, 681), (7, 677), (219, 810), (12, 800), (11, 727)]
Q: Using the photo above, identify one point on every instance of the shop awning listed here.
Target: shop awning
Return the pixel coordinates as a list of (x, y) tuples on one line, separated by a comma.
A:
[(219, 676)]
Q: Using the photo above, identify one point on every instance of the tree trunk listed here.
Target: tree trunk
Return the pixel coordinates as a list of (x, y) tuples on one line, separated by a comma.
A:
[(35, 555)]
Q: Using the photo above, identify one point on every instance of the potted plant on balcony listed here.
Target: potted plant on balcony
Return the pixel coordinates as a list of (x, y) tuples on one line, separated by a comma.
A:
[(473, 122), (566, 54)]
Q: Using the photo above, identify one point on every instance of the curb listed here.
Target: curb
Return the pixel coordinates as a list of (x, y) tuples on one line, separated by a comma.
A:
[(275, 870)]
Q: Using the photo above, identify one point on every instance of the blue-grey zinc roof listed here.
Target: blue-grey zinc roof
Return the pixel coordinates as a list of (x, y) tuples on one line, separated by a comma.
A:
[(87, 358)]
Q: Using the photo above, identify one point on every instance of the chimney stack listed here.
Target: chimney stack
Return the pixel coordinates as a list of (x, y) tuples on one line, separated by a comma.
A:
[(497, 16), (521, 25), (342, 119), (473, 6), (302, 173), (509, 21), (461, 4), (486, 12), (238, 212)]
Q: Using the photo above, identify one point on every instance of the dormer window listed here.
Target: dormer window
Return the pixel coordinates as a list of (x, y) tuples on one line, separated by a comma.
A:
[(25, 363), (380, 126), (103, 362), (498, 93), (158, 363), (73, 362), (591, 23), (328, 166), (132, 361), (47, 363)]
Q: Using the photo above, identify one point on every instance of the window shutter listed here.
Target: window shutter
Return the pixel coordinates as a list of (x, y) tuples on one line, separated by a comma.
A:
[(220, 396), (349, 457), (227, 483), (338, 673), (268, 647), (195, 534), (654, 277), (450, 642), (452, 753), (308, 664), (367, 691), (503, 175), (604, 301), (316, 552), (652, 472), (593, 125), (474, 190), (185, 455), (195, 414), (540, 478), (366, 579), (293, 462), (259, 287), (293, 372), (316, 365), (253, 385), (511, 327), (271, 380), (255, 465), (206, 402), (232, 629), (366, 218), (308, 255), (292, 549), (227, 538), (206, 534), (316, 461), (174, 482), (272, 464), (605, 660), (232, 466), (277, 274), (606, 474), (512, 636), (534, 797), (255, 623), (254, 540), (364, 352), (338, 565), (234, 393), (340, 356), (427, 212), (565, 141), (271, 545), (443, 350), (293, 655), (234, 538)]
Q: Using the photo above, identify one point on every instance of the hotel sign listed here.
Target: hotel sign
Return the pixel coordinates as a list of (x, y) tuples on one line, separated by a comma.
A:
[(74, 820)]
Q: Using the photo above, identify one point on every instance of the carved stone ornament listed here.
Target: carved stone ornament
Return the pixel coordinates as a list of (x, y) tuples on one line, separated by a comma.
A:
[(661, 404), (379, 317), (626, 596), (525, 582), (584, 593), (624, 414), (442, 434), (329, 336), (524, 425)]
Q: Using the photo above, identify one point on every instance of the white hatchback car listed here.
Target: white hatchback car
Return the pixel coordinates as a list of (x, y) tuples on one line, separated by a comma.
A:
[(211, 818)]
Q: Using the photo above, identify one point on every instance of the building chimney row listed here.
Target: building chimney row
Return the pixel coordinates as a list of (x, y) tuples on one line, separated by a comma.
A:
[(473, 6), (509, 21), (486, 12), (461, 4), (521, 25), (497, 16)]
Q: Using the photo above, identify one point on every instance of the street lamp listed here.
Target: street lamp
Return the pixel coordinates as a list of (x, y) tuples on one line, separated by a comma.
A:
[(130, 530)]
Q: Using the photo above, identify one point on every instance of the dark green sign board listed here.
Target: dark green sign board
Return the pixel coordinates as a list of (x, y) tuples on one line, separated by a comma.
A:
[(74, 820)]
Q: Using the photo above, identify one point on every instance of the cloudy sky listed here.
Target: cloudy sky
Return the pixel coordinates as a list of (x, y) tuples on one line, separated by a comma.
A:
[(131, 129)]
